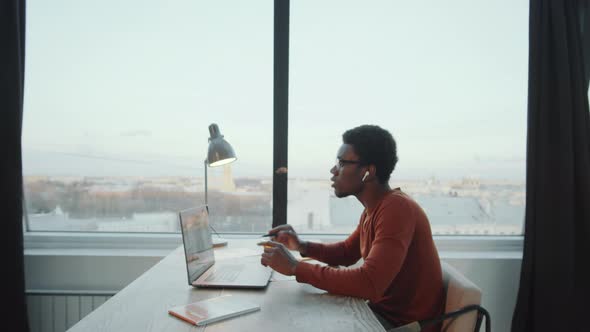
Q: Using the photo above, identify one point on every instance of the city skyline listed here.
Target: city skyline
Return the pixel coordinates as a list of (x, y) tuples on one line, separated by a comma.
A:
[(140, 204)]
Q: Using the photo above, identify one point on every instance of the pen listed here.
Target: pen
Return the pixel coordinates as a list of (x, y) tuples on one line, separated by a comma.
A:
[(265, 235)]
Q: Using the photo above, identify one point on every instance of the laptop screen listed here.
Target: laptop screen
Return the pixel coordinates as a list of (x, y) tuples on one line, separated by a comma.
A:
[(196, 237)]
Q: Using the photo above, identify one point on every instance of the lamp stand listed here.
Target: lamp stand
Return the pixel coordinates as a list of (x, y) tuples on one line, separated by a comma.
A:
[(217, 241), (206, 202)]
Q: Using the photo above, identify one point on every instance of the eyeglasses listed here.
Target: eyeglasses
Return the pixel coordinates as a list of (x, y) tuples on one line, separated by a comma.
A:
[(342, 162)]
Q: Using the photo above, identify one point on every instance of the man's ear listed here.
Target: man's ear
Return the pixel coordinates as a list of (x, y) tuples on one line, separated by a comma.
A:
[(370, 171), (373, 171)]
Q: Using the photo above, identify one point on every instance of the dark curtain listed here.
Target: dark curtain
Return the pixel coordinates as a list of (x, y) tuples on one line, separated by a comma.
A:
[(554, 293), (12, 57)]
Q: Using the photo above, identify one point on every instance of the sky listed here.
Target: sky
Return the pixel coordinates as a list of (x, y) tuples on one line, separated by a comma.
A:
[(118, 88)]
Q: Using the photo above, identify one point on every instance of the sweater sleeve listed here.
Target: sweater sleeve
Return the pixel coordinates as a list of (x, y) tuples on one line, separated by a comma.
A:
[(394, 230), (344, 253)]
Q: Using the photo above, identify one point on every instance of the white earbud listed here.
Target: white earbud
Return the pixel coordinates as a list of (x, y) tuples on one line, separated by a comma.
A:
[(365, 176)]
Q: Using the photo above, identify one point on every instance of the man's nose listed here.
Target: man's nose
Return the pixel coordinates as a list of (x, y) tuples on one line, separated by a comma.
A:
[(334, 170)]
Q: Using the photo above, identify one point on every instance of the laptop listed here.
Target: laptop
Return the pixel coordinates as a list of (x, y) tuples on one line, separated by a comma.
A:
[(201, 268)]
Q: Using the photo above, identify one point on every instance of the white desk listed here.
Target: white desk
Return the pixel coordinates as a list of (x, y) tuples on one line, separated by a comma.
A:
[(286, 305)]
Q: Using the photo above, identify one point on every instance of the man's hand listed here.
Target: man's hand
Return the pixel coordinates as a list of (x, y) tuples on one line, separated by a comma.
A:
[(278, 257), (286, 235)]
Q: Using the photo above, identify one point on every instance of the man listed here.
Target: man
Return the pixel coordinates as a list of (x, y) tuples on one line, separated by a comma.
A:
[(401, 274)]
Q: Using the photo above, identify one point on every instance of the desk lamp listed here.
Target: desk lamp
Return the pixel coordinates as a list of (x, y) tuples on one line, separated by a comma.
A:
[(220, 153)]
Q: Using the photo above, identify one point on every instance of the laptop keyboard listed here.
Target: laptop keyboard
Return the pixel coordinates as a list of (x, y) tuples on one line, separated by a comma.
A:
[(227, 273)]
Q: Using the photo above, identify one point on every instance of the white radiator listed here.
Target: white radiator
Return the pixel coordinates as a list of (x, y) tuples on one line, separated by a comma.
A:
[(57, 311)]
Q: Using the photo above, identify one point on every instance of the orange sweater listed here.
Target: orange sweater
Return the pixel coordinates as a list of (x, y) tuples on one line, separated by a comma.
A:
[(401, 274)]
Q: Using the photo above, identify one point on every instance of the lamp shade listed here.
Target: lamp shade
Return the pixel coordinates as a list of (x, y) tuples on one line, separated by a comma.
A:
[(220, 151)]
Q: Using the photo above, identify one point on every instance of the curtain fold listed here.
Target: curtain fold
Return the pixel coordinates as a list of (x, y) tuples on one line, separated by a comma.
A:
[(12, 57), (554, 282)]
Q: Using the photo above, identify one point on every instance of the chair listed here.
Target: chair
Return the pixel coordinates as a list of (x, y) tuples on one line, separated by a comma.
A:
[(463, 312)]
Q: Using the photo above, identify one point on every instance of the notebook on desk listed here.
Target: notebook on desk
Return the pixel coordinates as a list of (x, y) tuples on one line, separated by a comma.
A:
[(201, 267)]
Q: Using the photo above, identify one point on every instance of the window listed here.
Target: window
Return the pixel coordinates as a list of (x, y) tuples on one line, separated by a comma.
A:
[(449, 80), (119, 96), (118, 102)]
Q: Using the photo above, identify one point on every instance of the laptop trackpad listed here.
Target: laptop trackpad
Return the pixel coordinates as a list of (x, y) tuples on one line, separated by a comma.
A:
[(225, 273)]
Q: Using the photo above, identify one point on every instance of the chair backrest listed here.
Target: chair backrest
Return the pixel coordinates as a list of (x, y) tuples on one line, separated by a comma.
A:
[(460, 292)]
